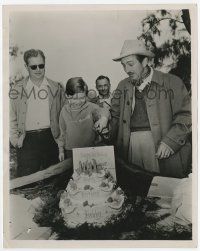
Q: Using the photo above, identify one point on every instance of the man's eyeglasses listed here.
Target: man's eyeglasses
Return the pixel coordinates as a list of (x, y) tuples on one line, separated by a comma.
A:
[(34, 67)]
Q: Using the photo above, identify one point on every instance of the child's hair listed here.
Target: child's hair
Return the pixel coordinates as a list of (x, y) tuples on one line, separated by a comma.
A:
[(76, 85)]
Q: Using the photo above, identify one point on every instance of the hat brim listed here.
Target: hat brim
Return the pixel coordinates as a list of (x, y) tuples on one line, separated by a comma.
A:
[(146, 53)]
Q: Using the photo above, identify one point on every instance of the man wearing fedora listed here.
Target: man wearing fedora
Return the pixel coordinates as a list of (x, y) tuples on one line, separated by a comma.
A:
[(151, 117), (35, 105)]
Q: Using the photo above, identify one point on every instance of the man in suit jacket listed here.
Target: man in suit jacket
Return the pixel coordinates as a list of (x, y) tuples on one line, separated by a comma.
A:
[(35, 105), (151, 116)]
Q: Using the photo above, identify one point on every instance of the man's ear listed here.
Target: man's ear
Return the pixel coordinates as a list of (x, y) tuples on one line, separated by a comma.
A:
[(145, 62), (26, 66), (68, 96)]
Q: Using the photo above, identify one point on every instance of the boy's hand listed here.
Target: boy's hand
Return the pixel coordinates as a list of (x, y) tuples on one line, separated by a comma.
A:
[(101, 124), (105, 133), (61, 156)]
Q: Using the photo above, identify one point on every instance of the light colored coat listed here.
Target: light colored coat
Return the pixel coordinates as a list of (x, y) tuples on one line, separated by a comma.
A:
[(169, 111), (18, 107)]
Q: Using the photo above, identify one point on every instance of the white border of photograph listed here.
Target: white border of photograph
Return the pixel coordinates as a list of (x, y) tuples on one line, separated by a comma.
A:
[(93, 244)]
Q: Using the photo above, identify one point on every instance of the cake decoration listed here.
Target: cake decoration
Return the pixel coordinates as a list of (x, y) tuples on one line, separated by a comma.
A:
[(91, 197)]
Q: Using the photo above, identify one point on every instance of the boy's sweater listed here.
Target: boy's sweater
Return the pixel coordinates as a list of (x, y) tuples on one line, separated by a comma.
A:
[(77, 127)]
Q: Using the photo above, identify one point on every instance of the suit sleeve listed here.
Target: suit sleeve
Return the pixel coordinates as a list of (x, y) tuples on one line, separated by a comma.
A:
[(62, 137), (115, 111), (62, 96), (13, 122), (181, 110)]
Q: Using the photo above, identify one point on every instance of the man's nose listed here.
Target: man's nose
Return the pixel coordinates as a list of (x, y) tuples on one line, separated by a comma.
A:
[(127, 69)]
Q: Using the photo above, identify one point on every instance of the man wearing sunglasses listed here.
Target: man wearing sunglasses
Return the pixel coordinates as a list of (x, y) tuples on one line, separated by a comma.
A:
[(34, 111)]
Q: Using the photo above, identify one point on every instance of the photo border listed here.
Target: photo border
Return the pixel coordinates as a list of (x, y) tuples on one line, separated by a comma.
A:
[(7, 10)]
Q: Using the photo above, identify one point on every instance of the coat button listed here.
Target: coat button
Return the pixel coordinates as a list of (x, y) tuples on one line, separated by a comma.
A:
[(124, 121), (182, 141), (128, 103)]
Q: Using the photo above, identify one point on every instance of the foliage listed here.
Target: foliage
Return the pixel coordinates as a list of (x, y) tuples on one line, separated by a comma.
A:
[(14, 54), (13, 51), (177, 46)]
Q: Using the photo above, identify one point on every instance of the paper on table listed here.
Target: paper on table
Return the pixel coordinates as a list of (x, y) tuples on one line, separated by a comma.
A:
[(22, 226), (163, 187)]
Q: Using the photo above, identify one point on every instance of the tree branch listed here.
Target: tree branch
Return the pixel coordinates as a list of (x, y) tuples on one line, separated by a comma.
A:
[(159, 20)]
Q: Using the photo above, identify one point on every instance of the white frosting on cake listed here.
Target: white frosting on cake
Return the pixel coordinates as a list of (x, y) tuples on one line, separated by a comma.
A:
[(90, 198)]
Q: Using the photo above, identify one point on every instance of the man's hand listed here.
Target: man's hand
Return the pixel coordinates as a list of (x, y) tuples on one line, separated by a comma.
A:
[(164, 151), (61, 156), (20, 142)]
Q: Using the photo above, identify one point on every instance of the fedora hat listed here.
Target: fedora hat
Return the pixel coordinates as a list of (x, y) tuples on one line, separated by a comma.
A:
[(131, 47)]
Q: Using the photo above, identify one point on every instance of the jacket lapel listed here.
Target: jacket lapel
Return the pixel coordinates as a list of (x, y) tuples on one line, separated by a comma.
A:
[(52, 92), (129, 98), (24, 93), (151, 96)]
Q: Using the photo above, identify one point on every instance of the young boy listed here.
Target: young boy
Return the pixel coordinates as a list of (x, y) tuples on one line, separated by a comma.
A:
[(80, 120)]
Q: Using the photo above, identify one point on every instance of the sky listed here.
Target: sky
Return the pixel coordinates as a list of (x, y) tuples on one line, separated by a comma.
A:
[(76, 43)]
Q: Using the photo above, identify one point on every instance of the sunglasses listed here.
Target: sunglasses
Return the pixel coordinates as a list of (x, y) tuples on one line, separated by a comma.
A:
[(34, 67)]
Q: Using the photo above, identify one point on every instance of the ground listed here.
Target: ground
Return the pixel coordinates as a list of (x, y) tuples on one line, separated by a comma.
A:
[(150, 222)]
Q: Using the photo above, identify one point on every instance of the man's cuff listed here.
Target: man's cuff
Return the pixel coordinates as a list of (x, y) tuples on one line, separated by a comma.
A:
[(171, 143)]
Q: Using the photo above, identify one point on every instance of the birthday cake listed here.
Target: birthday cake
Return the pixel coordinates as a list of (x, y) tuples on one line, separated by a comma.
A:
[(91, 196)]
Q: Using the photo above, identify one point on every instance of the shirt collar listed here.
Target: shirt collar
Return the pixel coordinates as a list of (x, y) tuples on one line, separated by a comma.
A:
[(102, 98), (30, 84), (84, 106), (146, 81)]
